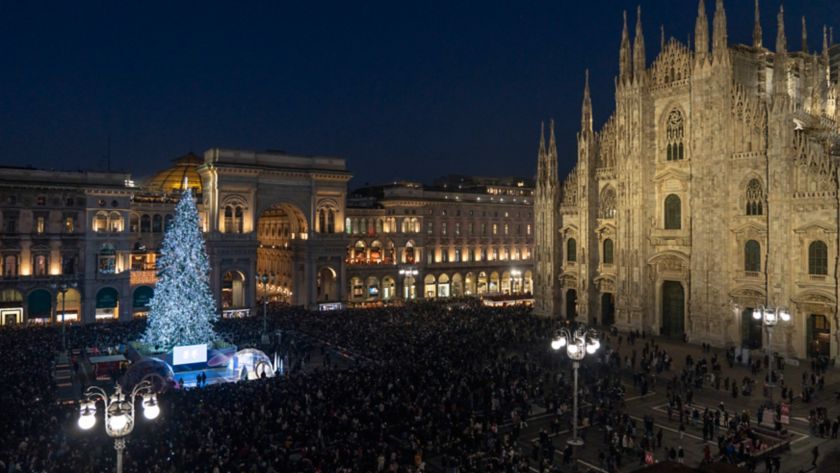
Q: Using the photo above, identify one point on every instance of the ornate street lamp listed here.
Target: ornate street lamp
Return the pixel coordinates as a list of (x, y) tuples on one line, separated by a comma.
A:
[(769, 317), (63, 288), (578, 343), (119, 412)]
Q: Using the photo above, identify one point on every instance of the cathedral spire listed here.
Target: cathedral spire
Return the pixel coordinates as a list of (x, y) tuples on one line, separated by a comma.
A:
[(804, 36), (661, 38), (701, 31), (639, 48), (586, 108), (757, 28), (542, 140), (719, 37), (825, 44), (625, 72), (551, 154), (781, 40), (779, 62)]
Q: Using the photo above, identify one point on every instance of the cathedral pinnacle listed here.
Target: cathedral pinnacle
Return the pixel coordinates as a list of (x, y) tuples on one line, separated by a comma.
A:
[(639, 48), (719, 36), (542, 139), (624, 72), (781, 41), (804, 36), (661, 38), (586, 108), (825, 44), (757, 28), (701, 31)]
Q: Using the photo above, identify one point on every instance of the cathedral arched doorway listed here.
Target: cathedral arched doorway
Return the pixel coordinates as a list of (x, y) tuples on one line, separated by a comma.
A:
[(751, 336), (607, 309), (819, 336), (326, 285), (281, 231), (571, 304), (673, 309)]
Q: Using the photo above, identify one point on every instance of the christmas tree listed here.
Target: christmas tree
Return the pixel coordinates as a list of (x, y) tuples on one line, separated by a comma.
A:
[(182, 309)]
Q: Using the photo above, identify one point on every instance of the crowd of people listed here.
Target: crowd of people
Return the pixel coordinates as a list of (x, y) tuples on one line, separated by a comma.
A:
[(427, 386)]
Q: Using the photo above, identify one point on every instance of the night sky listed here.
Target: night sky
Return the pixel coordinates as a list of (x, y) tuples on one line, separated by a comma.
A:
[(409, 90)]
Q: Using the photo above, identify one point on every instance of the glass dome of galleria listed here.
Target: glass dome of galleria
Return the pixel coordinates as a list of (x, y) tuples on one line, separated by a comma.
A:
[(171, 180)]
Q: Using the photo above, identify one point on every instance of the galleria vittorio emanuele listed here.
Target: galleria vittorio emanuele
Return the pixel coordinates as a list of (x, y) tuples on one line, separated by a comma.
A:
[(710, 193)]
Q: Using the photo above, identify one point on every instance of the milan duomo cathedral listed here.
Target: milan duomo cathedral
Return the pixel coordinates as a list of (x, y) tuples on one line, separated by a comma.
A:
[(711, 191)]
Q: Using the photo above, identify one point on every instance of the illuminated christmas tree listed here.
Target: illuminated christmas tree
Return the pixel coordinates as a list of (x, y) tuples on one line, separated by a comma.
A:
[(182, 309)]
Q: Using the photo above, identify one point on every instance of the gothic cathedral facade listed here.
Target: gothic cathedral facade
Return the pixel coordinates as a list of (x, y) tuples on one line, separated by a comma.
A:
[(711, 191)]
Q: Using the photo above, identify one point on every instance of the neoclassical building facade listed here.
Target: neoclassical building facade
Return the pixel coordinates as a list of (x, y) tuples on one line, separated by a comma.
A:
[(711, 190)]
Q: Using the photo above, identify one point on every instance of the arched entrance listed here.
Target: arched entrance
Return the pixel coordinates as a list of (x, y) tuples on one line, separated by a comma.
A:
[(327, 285), (39, 306), (457, 285), (494, 283), (389, 288), (607, 309), (571, 304), (673, 309), (469, 284), (751, 336), (409, 288), (443, 286), (482, 283), (233, 290), (140, 300), (528, 282), (372, 286), (429, 287), (72, 306), (819, 336), (107, 304), (281, 229)]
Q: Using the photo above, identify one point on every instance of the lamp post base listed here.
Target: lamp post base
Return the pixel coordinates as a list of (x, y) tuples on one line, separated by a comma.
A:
[(575, 442)]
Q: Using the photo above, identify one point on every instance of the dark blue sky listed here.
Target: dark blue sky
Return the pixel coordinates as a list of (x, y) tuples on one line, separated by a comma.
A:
[(401, 89)]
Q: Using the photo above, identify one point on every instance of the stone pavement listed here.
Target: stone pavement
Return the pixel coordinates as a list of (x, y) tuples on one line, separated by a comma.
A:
[(798, 458)]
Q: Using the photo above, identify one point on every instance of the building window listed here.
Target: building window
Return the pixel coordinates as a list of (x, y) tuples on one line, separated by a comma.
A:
[(40, 224), (10, 221), (107, 260), (69, 224), (507, 229), (167, 222), (818, 258), (608, 251), (752, 256), (68, 264), (443, 228), (41, 200), (495, 254), (40, 265), (157, 224), (528, 229), (457, 258), (755, 198), (471, 228), (571, 250), (100, 222), (430, 228), (237, 216), (146, 223), (495, 229), (115, 222), (483, 256), (444, 255), (675, 132), (10, 266), (483, 229), (457, 228), (673, 213), (606, 208)]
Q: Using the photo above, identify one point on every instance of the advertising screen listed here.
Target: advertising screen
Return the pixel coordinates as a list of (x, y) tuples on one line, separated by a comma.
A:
[(189, 354)]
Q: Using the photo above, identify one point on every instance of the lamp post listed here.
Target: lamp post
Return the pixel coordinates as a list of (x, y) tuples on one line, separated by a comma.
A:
[(578, 343), (769, 317), (264, 280), (62, 288), (119, 412)]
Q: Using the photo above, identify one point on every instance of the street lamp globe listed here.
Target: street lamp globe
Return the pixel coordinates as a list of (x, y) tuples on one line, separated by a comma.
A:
[(573, 349), (117, 421), (784, 315), (757, 313), (150, 407), (557, 344), (87, 416)]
